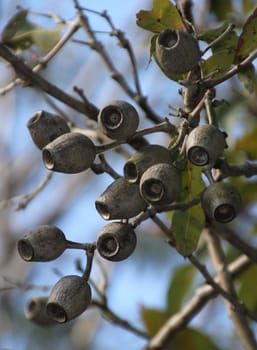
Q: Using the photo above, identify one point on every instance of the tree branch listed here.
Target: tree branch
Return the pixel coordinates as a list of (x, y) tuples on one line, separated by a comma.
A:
[(201, 297), (28, 75), (226, 233), (244, 332), (96, 45), (223, 169)]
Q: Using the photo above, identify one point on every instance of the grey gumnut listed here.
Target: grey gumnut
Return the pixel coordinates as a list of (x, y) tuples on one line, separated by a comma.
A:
[(118, 120), (69, 153), (160, 184), (69, 298), (221, 201), (140, 161), (116, 241), (45, 127), (177, 51), (35, 311), (44, 243), (205, 144), (121, 200)]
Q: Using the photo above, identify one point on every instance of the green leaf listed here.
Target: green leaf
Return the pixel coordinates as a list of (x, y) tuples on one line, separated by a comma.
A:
[(16, 33), (219, 62), (187, 225), (162, 16), (192, 183), (246, 291), (229, 41), (248, 78), (153, 319), (186, 228), (20, 34), (221, 8), (192, 339), (46, 39), (248, 38), (180, 284)]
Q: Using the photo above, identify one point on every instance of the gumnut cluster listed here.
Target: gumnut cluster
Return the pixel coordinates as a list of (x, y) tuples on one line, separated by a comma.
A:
[(151, 178)]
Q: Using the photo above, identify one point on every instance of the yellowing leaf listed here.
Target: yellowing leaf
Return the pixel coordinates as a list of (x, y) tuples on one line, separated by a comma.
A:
[(248, 5), (162, 16), (248, 144), (219, 62), (46, 39), (248, 38), (153, 319)]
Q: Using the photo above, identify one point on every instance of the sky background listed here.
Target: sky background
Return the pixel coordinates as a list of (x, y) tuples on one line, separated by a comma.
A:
[(144, 277)]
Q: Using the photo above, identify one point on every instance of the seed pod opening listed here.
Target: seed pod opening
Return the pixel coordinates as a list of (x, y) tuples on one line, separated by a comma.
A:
[(70, 296), (116, 241), (70, 153), (121, 200), (118, 120), (140, 161), (36, 311), (44, 243), (160, 184), (205, 144), (45, 127), (221, 202), (177, 51)]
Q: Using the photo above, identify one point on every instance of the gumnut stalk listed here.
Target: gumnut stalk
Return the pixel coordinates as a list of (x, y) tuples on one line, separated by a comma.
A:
[(116, 241), (160, 184), (35, 311), (70, 153), (221, 201), (44, 243), (69, 298), (121, 200), (205, 144), (143, 159), (177, 51), (45, 127), (118, 120)]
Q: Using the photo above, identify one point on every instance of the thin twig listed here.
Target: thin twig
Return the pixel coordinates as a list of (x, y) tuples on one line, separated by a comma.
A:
[(229, 29), (23, 200), (233, 71), (226, 233), (115, 74), (111, 316), (44, 60), (225, 169), (243, 330), (201, 297), (28, 75), (240, 307)]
